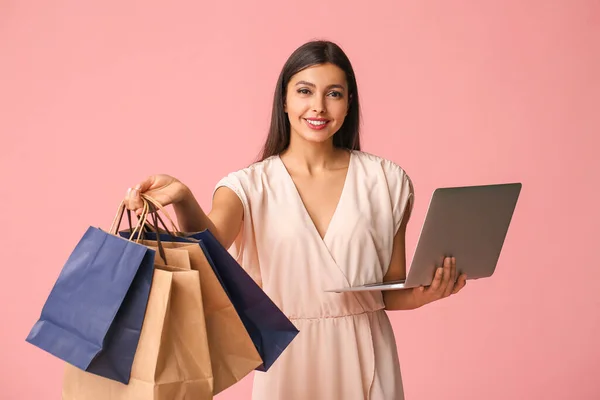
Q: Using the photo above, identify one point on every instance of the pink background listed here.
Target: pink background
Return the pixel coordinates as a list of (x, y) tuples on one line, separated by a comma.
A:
[(95, 97)]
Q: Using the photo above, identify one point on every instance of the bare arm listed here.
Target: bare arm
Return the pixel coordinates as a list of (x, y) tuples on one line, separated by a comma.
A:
[(444, 282), (224, 220), (399, 299)]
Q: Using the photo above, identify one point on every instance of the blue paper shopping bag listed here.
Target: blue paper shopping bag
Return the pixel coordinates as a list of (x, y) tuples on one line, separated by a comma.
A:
[(268, 327), (93, 316)]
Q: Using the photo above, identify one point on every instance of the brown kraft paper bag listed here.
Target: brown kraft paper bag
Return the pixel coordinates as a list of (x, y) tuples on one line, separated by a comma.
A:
[(172, 360), (232, 352)]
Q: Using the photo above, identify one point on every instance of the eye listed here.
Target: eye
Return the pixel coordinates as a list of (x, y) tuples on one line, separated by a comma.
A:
[(303, 91), (335, 93)]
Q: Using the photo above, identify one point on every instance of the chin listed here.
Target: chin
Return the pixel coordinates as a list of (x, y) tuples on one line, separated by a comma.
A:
[(316, 137)]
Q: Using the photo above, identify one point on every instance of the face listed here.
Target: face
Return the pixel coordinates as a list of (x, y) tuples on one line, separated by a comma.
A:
[(317, 102)]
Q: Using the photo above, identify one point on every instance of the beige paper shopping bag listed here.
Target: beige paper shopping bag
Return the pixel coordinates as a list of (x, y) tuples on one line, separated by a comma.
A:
[(172, 360), (232, 352)]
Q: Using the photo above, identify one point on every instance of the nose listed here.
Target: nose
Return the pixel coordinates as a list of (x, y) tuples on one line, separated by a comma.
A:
[(318, 105)]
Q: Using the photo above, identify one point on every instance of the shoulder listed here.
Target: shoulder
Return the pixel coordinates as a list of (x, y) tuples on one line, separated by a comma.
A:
[(398, 185), (254, 171), (252, 176), (393, 172)]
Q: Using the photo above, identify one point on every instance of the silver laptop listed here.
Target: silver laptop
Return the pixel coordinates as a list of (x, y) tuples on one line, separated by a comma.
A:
[(469, 223)]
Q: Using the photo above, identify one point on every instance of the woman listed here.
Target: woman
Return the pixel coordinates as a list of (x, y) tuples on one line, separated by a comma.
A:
[(316, 213)]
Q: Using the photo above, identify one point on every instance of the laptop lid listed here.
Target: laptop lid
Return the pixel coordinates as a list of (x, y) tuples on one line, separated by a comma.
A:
[(469, 223)]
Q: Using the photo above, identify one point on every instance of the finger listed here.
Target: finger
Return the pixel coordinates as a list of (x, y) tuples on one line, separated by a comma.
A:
[(437, 280), (446, 276), (134, 200), (145, 184), (142, 187), (460, 283), (418, 296), (452, 278), (127, 198)]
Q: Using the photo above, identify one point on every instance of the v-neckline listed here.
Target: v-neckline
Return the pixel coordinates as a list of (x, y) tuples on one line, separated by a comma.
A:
[(305, 212)]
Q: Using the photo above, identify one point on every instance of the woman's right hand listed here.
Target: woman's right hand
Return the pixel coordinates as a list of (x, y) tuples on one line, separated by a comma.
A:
[(163, 188)]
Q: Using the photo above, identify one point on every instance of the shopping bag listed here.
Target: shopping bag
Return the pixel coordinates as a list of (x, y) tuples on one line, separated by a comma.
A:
[(172, 361), (93, 315), (232, 352), (270, 330), (268, 327)]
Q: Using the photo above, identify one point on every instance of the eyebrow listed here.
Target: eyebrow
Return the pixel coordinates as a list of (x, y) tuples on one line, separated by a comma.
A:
[(337, 86)]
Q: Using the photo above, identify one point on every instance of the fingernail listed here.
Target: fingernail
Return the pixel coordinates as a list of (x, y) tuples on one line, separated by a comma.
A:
[(134, 193), (138, 187), (128, 191)]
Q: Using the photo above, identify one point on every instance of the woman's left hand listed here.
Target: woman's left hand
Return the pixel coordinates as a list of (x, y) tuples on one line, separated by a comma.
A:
[(443, 285)]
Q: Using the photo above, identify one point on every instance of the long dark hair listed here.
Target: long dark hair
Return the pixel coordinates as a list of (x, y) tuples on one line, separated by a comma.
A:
[(310, 54)]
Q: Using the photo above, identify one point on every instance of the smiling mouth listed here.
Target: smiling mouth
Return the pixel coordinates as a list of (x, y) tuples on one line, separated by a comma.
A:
[(316, 124)]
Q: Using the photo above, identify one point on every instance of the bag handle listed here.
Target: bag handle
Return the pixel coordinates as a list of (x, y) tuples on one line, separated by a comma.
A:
[(114, 228), (174, 231), (137, 232), (161, 250)]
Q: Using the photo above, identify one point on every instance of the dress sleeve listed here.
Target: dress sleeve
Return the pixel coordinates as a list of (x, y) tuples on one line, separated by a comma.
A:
[(243, 248), (401, 192)]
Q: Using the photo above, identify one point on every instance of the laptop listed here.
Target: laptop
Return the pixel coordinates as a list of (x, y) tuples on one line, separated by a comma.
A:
[(469, 223)]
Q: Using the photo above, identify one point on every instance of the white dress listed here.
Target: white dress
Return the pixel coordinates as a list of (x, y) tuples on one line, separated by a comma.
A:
[(346, 347)]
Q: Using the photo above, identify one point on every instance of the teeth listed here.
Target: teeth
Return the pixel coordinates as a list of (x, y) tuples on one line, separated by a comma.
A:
[(317, 122)]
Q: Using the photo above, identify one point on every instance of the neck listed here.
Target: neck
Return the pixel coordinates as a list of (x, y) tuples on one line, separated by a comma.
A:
[(310, 157)]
